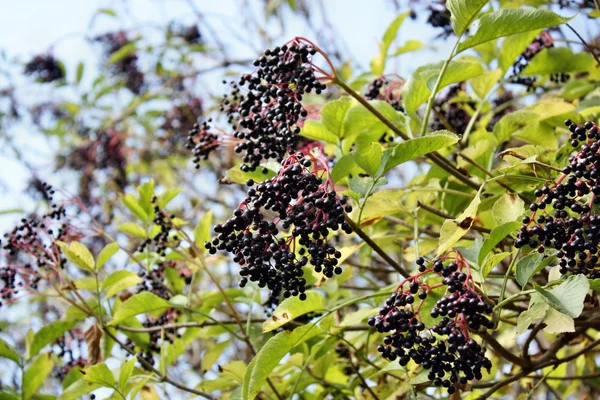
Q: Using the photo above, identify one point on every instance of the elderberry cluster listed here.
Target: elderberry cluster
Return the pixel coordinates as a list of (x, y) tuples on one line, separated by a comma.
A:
[(126, 66), (445, 349), (439, 17), (190, 34), (386, 90), (201, 141), (282, 225), (452, 113), (69, 348), (266, 116), (163, 239), (543, 41), (501, 107), (45, 68), (564, 217)]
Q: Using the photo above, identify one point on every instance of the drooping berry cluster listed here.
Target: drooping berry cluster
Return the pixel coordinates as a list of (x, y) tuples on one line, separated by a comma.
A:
[(543, 41), (30, 247), (439, 17), (69, 348), (282, 225), (165, 238), (178, 121), (45, 68), (451, 113), (202, 141), (445, 349), (126, 66), (266, 117), (387, 90), (565, 216)]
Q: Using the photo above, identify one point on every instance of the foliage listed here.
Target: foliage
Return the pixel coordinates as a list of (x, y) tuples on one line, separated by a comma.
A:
[(316, 232)]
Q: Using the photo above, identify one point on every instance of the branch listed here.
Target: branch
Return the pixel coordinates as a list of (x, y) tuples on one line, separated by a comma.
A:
[(507, 355)]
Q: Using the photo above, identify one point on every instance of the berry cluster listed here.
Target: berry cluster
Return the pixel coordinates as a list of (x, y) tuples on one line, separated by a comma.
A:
[(445, 349), (202, 142), (179, 120), (69, 348), (127, 65), (45, 68), (282, 225), (502, 105), (163, 239), (387, 90), (30, 247), (564, 217), (266, 117), (190, 34), (439, 17), (451, 113), (543, 41)]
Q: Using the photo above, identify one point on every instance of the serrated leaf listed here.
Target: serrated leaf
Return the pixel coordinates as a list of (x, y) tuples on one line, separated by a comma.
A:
[(496, 236), (508, 208), (47, 335), (212, 354), (531, 265), (483, 83), (140, 303), (378, 63), (454, 229), (513, 46), (291, 308), (202, 230), (333, 115), (417, 147), (146, 192), (536, 312), (409, 46), (567, 297), (417, 88), (315, 130), (491, 261), (362, 126), (510, 21), (558, 60), (106, 253), (343, 167), (100, 375), (133, 229), (8, 352), (167, 196), (369, 158), (35, 375), (557, 322), (78, 254), (271, 354), (463, 12), (125, 373), (134, 206)]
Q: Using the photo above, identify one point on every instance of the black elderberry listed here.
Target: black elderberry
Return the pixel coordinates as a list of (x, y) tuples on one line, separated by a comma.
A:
[(45, 68)]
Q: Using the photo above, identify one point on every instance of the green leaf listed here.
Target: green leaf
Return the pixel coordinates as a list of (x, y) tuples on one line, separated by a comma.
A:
[(513, 46), (595, 284), (567, 297), (77, 390), (107, 11), (47, 335), (483, 83), (417, 147), (7, 351), (212, 354), (409, 46), (417, 88), (291, 308), (496, 236), (343, 167), (463, 12), (78, 254), (315, 130), (100, 375), (271, 354), (557, 322), (508, 208), (362, 126), (239, 176), (559, 60), (106, 253), (369, 158), (491, 261), (333, 115), (167, 196), (125, 373), (506, 22), (119, 280), (454, 229), (361, 184), (134, 206), (378, 63), (202, 230), (35, 375), (530, 265), (133, 229), (140, 303), (146, 192), (536, 312), (79, 73), (122, 52)]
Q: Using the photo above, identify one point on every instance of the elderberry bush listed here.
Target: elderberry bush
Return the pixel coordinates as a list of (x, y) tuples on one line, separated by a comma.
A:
[(282, 225), (565, 215), (265, 107), (445, 349)]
